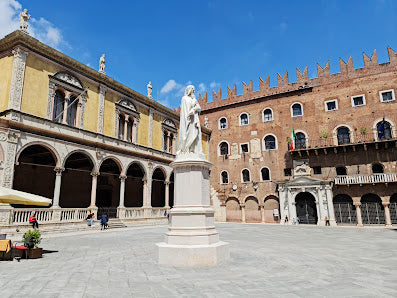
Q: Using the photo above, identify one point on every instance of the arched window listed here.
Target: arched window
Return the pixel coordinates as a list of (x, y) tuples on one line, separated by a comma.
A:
[(59, 104), (377, 168), (341, 171), (72, 110), (343, 135), (300, 141), (223, 148), (270, 142), (296, 110), (265, 174), (246, 175), (384, 130), (121, 127), (267, 115), (244, 119), (224, 177), (223, 123)]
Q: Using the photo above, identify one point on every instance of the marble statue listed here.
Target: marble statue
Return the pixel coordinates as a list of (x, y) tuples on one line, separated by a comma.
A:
[(149, 90), (189, 127), (24, 17), (102, 64), (206, 122)]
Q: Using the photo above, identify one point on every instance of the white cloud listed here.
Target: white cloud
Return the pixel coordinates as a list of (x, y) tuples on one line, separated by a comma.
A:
[(169, 86), (214, 85), (202, 87), (40, 28)]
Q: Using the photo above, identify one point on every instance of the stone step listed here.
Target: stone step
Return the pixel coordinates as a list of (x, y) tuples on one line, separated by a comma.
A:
[(115, 223)]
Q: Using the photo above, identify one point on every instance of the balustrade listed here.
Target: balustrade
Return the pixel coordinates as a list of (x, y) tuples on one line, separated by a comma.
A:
[(366, 178)]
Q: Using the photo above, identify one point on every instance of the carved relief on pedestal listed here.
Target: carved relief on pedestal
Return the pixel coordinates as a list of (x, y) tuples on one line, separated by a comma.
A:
[(9, 160), (18, 74)]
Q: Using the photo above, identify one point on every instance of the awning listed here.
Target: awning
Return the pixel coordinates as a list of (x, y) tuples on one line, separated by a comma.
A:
[(12, 196)]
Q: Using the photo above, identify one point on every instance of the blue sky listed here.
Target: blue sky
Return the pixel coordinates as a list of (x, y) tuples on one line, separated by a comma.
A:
[(211, 44)]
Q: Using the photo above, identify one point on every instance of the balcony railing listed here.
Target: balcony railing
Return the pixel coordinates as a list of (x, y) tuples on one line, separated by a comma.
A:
[(365, 178), (338, 141)]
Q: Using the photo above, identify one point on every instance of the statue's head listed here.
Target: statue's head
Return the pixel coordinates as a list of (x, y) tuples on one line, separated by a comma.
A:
[(25, 10), (189, 90), (103, 55)]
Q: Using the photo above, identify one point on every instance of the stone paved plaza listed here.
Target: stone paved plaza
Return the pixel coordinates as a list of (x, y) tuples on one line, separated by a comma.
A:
[(266, 261)]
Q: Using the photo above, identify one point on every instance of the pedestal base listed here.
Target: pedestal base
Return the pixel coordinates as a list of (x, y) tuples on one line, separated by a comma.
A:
[(192, 255)]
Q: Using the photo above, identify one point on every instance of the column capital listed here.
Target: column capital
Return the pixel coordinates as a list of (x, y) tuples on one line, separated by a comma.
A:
[(123, 177), (242, 205), (357, 204), (167, 182), (95, 174), (59, 170), (385, 204)]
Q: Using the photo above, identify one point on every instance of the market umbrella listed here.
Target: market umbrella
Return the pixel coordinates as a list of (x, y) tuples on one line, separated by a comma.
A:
[(12, 196)]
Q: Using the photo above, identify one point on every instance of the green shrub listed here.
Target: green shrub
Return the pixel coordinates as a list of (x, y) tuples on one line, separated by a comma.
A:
[(31, 238)]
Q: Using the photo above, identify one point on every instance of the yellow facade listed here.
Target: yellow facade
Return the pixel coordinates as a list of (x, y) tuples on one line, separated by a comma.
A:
[(143, 129), (5, 80), (156, 131)]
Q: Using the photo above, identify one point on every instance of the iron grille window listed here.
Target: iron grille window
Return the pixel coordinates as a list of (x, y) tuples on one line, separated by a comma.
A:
[(343, 136), (387, 96), (358, 101), (300, 141), (267, 115), (384, 130), (296, 110), (331, 105), (270, 142), (244, 119)]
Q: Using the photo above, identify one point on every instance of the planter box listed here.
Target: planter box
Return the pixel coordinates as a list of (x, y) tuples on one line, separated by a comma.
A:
[(35, 253)]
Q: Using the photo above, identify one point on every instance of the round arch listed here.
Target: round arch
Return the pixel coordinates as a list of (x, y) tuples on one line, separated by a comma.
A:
[(158, 187), (306, 209), (219, 147), (34, 171), (335, 132), (345, 211), (50, 148), (264, 142), (92, 159), (113, 158), (140, 164), (240, 119), (233, 210), (252, 209), (375, 128), (292, 109), (134, 182), (270, 204), (220, 125), (265, 174), (372, 210), (221, 176), (393, 208), (268, 117)]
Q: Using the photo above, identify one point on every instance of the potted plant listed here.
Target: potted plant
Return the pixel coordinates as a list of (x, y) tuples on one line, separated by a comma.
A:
[(30, 240), (364, 132), (324, 136)]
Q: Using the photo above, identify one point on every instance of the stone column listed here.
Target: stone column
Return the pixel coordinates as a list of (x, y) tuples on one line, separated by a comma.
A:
[(82, 110), (125, 127), (78, 113), (121, 207), (262, 213), (6, 214), (17, 79), (101, 108), (167, 194), (174, 145), (387, 214), (147, 191), (242, 212), (169, 142), (57, 188), (150, 127), (283, 208), (65, 108), (331, 211), (358, 211), (291, 207), (320, 207), (134, 131), (93, 189)]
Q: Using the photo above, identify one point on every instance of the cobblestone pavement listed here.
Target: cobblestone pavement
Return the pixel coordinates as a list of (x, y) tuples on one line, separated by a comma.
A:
[(266, 261)]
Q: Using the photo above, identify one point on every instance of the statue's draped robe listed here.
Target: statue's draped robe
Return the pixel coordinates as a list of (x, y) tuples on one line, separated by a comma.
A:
[(189, 127)]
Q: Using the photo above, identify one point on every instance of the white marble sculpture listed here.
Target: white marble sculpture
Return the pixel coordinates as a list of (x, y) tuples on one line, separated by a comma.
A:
[(192, 239), (149, 90), (206, 122), (24, 17), (189, 127), (102, 64)]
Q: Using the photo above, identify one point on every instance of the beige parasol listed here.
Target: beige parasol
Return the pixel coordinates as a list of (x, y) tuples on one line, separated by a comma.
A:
[(12, 196)]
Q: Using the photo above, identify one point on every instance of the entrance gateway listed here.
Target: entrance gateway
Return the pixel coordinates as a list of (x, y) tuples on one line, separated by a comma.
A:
[(306, 211)]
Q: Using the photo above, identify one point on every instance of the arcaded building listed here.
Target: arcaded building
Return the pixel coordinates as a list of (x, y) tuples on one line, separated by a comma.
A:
[(75, 135), (316, 150)]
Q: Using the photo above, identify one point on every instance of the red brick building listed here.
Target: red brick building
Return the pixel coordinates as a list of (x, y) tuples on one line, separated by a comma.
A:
[(341, 166)]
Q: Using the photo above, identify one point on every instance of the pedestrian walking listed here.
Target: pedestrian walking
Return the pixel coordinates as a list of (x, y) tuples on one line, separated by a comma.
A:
[(286, 219), (327, 221), (33, 221)]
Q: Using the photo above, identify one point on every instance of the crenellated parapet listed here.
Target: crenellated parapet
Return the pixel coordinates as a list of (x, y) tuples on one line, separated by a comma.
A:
[(324, 76)]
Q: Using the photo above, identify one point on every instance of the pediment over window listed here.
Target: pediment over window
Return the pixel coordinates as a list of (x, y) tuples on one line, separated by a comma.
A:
[(169, 123), (68, 78), (125, 103)]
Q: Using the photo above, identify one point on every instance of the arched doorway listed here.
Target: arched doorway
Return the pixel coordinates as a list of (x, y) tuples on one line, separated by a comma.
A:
[(372, 210), (108, 188), (271, 203), (34, 172), (306, 209), (345, 211), (233, 210), (158, 188), (252, 210), (76, 181), (393, 209), (171, 191), (133, 195)]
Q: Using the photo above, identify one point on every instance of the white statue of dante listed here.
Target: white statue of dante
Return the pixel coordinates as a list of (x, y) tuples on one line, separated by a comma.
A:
[(149, 90), (189, 126), (24, 17), (102, 64)]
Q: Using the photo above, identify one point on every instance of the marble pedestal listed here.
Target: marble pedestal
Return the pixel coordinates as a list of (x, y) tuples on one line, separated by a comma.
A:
[(192, 239)]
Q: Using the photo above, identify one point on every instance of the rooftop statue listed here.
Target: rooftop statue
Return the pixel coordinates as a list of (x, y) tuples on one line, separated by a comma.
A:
[(24, 17), (189, 127), (102, 64), (149, 90)]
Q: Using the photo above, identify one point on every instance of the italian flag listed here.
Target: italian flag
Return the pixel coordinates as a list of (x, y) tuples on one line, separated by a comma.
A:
[(292, 143)]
